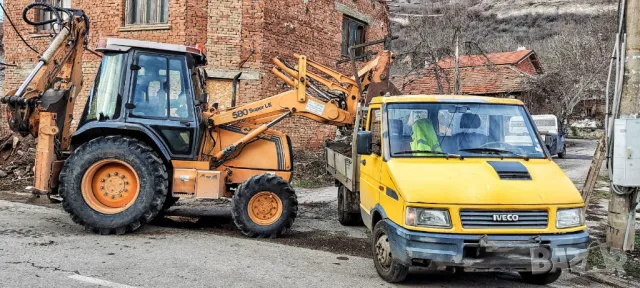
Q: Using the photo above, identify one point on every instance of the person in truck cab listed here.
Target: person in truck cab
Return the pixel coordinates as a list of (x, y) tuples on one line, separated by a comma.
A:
[(424, 136)]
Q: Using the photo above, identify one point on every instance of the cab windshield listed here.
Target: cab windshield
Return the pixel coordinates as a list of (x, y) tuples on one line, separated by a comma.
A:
[(469, 130)]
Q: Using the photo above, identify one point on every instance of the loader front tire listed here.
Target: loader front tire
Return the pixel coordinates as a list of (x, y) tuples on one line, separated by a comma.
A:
[(264, 206), (113, 184)]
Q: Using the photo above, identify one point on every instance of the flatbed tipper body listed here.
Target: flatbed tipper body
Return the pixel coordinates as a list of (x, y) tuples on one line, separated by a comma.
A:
[(340, 165)]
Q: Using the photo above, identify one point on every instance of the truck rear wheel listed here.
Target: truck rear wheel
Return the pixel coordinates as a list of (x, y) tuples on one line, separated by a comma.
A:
[(113, 184), (264, 206), (563, 153), (345, 217), (388, 268)]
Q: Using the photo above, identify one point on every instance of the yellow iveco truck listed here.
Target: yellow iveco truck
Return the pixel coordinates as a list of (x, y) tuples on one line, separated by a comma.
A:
[(458, 182)]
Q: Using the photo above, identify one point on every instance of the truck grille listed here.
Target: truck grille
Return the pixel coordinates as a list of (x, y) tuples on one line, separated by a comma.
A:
[(506, 219)]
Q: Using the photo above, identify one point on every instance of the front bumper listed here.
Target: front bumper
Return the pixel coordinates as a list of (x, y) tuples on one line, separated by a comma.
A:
[(537, 253)]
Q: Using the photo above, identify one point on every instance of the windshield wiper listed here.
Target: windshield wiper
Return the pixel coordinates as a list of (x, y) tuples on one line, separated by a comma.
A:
[(447, 155), (494, 151)]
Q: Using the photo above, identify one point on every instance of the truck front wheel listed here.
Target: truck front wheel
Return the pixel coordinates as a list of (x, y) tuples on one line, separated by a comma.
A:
[(113, 184), (541, 279), (264, 206), (388, 268)]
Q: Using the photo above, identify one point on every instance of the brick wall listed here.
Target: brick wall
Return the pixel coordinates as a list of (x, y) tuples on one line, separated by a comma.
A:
[(239, 35), (186, 25), (312, 28)]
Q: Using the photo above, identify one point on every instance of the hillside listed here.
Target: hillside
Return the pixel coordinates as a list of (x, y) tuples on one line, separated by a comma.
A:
[(573, 40)]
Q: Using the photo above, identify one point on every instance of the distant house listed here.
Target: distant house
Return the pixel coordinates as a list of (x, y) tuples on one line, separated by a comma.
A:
[(503, 74)]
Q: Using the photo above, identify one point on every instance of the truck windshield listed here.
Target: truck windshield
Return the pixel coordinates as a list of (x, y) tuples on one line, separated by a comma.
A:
[(469, 130)]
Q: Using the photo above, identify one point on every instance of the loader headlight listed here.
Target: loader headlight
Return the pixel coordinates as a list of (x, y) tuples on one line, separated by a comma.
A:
[(567, 218), (428, 217)]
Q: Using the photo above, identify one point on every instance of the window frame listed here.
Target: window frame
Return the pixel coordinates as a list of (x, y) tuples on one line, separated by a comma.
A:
[(532, 130), (185, 83), (161, 16), (44, 16), (372, 115), (92, 94), (347, 23)]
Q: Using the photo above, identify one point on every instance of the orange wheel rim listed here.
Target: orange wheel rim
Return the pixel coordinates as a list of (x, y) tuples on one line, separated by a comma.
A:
[(110, 186), (265, 208)]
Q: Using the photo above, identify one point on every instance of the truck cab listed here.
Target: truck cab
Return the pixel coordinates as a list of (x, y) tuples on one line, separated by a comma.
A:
[(450, 182)]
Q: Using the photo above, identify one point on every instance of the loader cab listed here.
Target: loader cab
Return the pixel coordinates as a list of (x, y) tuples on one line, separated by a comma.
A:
[(151, 90)]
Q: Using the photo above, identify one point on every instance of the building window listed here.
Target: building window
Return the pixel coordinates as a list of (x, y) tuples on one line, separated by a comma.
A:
[(146, 12), (352, 34), (48, 15)]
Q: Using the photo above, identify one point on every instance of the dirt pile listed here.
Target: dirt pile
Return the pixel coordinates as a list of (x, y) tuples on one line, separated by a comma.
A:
[(17, 157), (309, 169)]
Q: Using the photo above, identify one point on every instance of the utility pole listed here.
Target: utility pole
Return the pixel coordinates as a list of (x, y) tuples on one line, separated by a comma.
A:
[(456, 78), (620, 205)]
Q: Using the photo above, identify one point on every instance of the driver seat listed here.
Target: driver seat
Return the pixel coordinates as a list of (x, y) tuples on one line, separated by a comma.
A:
[(470, 139)]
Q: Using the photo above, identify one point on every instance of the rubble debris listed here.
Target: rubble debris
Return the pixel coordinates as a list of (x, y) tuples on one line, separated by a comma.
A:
[(17, 156), (340, 147)]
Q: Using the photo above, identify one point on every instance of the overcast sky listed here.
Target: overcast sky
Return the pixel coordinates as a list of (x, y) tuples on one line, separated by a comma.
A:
[(1, 14)]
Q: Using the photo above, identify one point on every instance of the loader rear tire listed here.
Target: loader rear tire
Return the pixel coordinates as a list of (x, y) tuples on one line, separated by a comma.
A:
[(90, 187), (264, 206)]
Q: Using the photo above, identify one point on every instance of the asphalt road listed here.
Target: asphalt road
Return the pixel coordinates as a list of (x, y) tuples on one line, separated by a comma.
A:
[(41, 247)]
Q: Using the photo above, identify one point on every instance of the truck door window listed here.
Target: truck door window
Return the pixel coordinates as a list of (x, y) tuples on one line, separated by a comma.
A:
[(374, 127)]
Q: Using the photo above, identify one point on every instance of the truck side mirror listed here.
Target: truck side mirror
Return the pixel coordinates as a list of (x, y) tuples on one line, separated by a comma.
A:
[(363, 142)]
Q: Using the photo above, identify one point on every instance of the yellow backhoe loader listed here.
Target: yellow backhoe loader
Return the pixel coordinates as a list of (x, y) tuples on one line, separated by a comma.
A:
[(148, 136)]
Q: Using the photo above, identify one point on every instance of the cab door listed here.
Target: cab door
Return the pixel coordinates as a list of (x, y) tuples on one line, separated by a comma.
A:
[(370, 165), (161, 99)]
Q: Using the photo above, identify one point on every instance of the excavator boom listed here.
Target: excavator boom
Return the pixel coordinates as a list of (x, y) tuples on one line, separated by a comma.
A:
[(43, 105)]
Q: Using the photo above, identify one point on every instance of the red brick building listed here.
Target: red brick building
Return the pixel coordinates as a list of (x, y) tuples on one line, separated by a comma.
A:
[(497, 74), (239, 35)]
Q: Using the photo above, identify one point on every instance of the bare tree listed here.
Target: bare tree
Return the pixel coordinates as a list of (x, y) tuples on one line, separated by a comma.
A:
[(572, 48)]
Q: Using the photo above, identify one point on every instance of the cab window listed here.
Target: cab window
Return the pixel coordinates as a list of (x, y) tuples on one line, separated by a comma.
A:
[(160, 90), (105, 100)]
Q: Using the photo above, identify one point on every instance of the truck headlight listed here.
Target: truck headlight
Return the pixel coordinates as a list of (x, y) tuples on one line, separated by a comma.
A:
[(428, 217), (567, 218)]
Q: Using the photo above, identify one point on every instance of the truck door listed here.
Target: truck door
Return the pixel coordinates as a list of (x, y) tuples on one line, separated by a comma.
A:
[(161, 98), (370, 165)]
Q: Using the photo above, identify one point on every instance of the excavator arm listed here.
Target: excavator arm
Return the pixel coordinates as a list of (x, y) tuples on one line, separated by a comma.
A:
[(43, 105), (331, 98), (310, 95)]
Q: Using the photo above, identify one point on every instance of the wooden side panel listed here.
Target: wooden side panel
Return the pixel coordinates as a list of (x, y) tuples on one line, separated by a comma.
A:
[(184, 182)]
